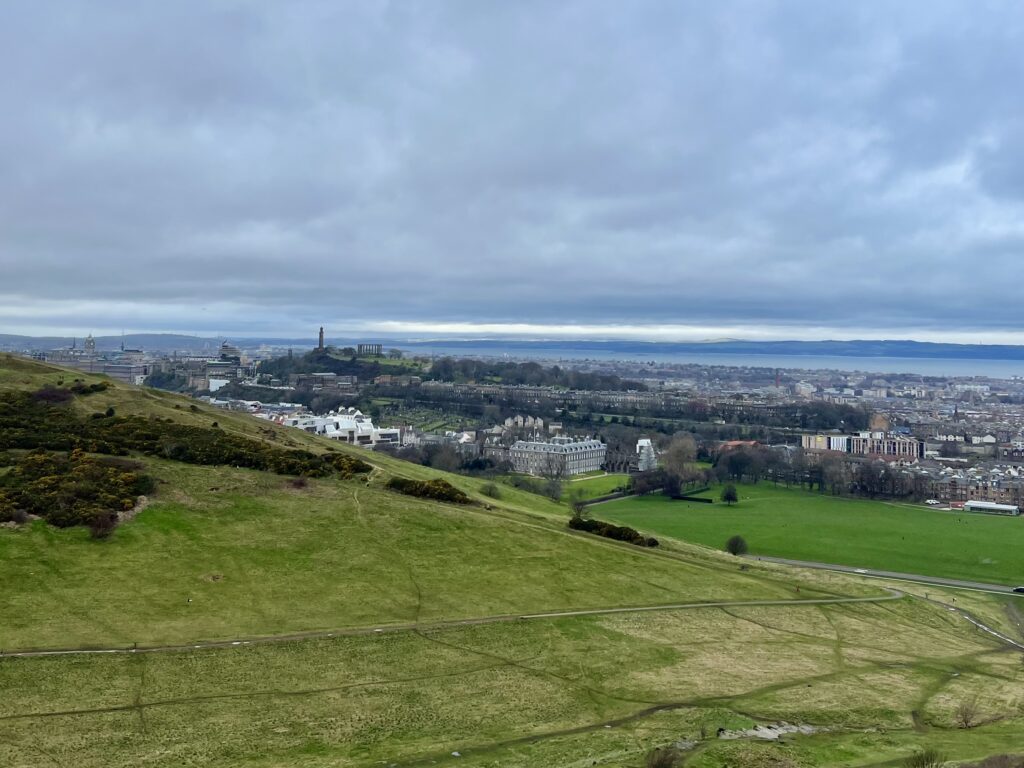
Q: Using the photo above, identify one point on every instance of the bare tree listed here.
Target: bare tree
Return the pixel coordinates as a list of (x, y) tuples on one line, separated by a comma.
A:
[(577, 503), (966, 713), (553, 466), (681, 452)]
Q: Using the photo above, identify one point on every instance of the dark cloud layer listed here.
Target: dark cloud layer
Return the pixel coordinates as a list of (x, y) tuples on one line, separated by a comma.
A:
[(234, 165)]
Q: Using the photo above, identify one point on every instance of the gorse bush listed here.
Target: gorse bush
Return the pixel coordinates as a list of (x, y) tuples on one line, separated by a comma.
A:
[(609, 531), (68, 490), (41, 420), (438, 489), (81, 388)]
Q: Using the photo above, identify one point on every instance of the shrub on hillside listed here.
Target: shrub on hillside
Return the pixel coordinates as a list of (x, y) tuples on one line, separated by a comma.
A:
[(75, 489), (610, 531), (929, 758), (28, 422), (736, 545), (437, 489), (550, 488), (51, 394), (7, 508), (491, 490), (81, 388), (102, 525)]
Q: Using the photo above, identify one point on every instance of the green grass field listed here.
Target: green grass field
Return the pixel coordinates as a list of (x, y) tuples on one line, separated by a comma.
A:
[(225, 553), (560, 692), (594, 486), (808, 526)]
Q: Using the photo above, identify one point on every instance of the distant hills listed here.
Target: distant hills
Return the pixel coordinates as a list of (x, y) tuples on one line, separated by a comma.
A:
[(858, 348), (889, 348)]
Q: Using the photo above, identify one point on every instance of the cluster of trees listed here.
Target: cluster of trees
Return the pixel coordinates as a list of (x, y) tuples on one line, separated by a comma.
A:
[(447, 459), (168, 380), (848, 476), (342, 362), (550, 487), (437, 489), (71, 489), (816, 414), (610, 531), (318, 401), (29, 422), (531, 374), (679, 472)]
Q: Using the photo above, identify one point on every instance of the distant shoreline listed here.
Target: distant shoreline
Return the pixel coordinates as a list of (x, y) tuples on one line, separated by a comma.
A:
[(873, 356)]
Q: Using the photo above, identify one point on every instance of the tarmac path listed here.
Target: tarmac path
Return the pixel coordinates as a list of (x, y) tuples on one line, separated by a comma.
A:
[(976, 586)]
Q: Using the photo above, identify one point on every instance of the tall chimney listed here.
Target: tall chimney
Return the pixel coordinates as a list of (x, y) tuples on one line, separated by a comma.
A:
[(321, 338)]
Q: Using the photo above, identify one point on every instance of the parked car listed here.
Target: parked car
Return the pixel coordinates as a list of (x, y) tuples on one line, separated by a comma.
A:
[(1019, 590)]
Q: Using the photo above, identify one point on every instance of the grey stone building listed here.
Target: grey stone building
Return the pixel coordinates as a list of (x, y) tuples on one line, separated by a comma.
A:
[(561, 457)]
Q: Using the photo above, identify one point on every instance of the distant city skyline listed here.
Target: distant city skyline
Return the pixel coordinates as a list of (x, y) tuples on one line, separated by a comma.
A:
[(655, 170)]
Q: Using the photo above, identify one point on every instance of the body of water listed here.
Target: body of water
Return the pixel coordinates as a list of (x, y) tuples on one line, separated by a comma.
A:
[(947, 367)]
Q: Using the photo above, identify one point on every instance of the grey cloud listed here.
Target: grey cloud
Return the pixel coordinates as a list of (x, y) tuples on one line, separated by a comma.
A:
[(593, 161)]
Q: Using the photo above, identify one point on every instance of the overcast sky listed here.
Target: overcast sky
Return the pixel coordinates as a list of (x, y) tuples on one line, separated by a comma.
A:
[(655, 169)]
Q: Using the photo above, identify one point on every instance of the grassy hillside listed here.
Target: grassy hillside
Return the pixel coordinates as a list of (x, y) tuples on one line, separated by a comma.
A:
[(257, 556), (809, 526), (880, 680), (225, 553), (237, 554)]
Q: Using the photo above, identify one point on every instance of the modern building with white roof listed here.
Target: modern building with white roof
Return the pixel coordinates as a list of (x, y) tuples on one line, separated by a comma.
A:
[(349, 426), (991, 508)]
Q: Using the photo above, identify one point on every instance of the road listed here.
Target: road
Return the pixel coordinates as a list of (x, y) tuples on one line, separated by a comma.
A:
[(428, 626), (977, 586)]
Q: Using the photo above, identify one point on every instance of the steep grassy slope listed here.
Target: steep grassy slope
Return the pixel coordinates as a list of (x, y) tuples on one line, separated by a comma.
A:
[(256, 556), (30, 375), (226, 553)]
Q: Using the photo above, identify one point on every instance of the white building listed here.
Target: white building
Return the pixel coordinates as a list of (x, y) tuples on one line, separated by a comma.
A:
[(348, 426), (991, 508), (645, 451), (560, 457)]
